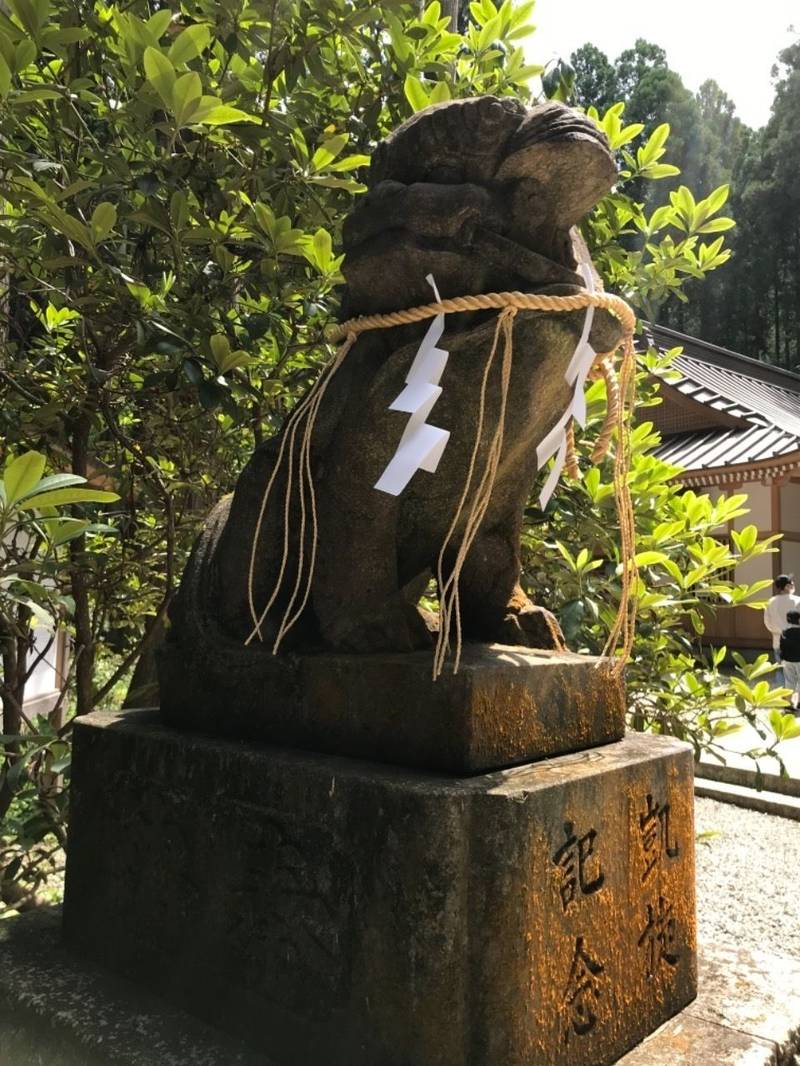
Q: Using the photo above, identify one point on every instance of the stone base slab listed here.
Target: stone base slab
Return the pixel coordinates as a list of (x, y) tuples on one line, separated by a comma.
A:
[(505, 705), (333, 911), (747, 1013), (57, 1010)]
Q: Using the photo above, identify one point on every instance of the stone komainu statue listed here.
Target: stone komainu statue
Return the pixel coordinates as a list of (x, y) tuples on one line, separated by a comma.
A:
[(483, 194)]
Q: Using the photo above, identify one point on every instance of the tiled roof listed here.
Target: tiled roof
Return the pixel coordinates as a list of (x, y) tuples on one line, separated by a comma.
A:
[(765, 399), (726, 447)]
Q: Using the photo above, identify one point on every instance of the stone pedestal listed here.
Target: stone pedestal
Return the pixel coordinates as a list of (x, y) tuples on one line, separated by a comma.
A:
[(335, 912), (505, 705)]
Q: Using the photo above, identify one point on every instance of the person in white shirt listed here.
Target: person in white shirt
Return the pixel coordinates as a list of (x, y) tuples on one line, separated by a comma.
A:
[(778, 607), (790, 656)]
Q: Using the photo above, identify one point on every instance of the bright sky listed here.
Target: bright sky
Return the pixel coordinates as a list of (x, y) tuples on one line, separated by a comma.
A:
[(736, 45)]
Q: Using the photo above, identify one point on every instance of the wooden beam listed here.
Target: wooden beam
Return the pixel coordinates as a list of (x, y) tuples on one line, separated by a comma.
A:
[(731, 527), (759, 470), (775, 523)]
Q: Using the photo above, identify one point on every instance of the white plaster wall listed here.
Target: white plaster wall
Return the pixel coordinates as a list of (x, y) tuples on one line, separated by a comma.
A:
[(759, 500), (44, 678), (755, 570), (790, 507), (790, 557)]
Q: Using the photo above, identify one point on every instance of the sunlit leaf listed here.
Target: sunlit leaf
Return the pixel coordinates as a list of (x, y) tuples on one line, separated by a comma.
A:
[(22, 474)]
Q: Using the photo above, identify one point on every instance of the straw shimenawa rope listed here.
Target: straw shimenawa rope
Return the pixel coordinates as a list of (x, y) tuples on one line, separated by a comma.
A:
[(620, 406)]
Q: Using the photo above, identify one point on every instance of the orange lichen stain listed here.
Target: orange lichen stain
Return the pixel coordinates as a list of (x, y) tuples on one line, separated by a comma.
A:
[(511, 720), (611, 922)]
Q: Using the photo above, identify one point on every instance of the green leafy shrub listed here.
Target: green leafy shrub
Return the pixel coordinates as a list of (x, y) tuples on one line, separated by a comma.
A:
[(173, 182), (34, 532), (571, 559), (571, 552)]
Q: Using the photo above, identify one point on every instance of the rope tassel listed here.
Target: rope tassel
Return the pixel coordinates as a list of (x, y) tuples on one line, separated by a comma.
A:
[(448, 588), (620, 395), (306, 414)]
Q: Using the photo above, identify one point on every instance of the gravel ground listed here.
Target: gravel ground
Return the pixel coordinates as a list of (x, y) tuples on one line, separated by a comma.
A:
[(747, 870)]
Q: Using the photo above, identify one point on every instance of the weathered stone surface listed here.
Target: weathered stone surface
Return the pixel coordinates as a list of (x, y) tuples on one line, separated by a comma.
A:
[(58, 1010), (340, 912), (747, 1013), (689, 1041), (504, 706), (483, 194), (755, 992)]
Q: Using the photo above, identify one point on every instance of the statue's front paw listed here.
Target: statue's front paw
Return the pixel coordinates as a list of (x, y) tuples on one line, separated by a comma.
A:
[(532, 627), (398, 627)]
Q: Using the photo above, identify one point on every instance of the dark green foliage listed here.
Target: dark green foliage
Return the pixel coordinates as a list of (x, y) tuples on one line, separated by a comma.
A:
[(173, 182), (754, 305), (755, 308), (596, 81)]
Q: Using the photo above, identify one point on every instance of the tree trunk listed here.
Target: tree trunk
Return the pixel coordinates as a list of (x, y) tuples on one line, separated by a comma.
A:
[(451, 9), (12, 693), (84, 638), (776, 317)]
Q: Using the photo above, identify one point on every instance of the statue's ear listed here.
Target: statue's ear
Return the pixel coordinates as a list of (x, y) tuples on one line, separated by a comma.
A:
[(567, 157)]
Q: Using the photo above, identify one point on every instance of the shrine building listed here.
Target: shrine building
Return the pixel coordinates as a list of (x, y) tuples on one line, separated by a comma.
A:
[(733, 424)]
